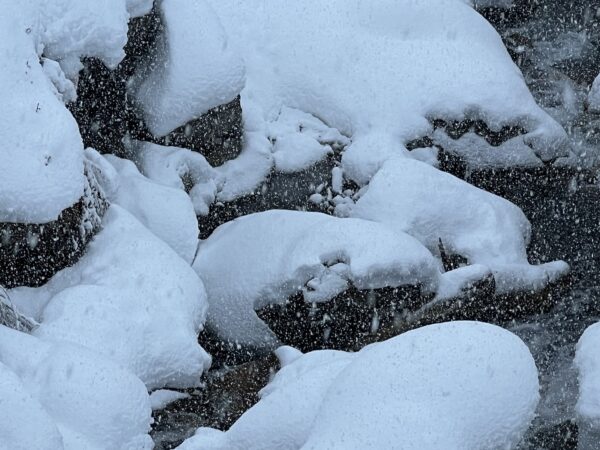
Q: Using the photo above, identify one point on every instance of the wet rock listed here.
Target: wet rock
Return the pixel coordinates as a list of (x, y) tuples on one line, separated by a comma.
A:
[(346, 322), (279, 191), (563, 436), (217, 135), (108, 118), (227, 393), (10, 317), (30, 254), (103, 110)]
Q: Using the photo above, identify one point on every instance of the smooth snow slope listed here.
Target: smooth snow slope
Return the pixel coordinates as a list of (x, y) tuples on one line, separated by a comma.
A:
[(72, 398)]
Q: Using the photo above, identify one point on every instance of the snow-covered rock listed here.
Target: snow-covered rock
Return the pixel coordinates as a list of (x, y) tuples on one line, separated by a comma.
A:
[(413, 197), (300, 140), (477, 153), (68, 398), (132, 299), (587, 361), (454, 386), (594, 96), (405, 63), (164, 210), (196, 68), (163, 397), (41, 153), (182, 169), (264, 258)]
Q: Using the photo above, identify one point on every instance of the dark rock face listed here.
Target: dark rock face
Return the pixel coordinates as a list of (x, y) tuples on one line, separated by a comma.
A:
[(227, 394), (30, 254), (456, 129), (107, 116), (10, 317), (103, 110), (279, 191), (217, 135), (346, 322)]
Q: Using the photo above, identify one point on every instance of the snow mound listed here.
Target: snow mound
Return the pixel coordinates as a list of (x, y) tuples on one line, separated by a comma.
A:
[(412, 197), (195, 71), (587, 361), (265, 258), (594, 96), (405, 63), (166, 211), (68, 398), (182, 169), (454, 386), (301, 140), (131, 299), (41, 152)]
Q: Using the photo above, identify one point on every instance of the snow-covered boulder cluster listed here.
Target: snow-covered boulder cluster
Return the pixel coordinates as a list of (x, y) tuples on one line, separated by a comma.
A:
[(460, 385), (355, 84), (265, 258)]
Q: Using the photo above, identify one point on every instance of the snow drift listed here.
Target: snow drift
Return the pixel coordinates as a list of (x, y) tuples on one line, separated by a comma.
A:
[(459, 385)]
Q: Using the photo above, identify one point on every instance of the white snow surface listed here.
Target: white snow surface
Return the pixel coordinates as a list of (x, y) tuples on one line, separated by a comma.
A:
[(458, 385), (41, 152), (68, 398), (403, 63), (166, 211), (163, 397), (182, 169), (264, 258), (130, 298), (196, 68), (587, 361), (413, 197), (594, 96)]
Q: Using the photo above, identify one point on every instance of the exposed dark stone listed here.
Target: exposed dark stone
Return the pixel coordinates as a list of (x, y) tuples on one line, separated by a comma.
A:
[(456, 129), (10, 317), (225, 353), (103, 110), (557, 437), (279, 191), (227, 394), (217, 135), (345, 322), (30, 254), (521, 11), (107, 115)]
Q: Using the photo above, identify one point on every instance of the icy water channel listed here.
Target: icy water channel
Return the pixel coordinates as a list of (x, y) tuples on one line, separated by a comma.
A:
[(565, 215)]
